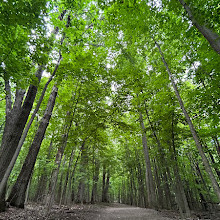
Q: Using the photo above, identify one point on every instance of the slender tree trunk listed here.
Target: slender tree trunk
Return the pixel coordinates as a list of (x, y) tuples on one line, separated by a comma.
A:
[(54, 176), (81, 187), (217, 145), (95, 181), (60, 182), (119, 195), (88, 190), (167, 188), (149, 176), (180, 193), (200, 184), (71, 179), (64, 193), (27, 191), (17, 195), (81, 191), (41, 187), (123, 199), (159, 188), (134, 188), (50, 196), (212, 37), (106, 179), (213, 161), (42, 183), (163, 162), (131, 188), (141, 192), (192, 129), (103, 181)]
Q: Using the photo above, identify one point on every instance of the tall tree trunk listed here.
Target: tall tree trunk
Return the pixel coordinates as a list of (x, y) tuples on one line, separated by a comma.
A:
[(151, 194), (42, 183), (81, 187), (95, 181), (192, 129), (141, 192), (25, 132), (159, 188), (27, 191), (180, 193), (17, 195), (217, 145), (60, 182), (16, 119), (119, 194), (212, 37), (18, 107), (54, 176), (132, 188), (200, 184), (212, 160), (71, 180), (163, 161), (64, 193), (103, 181), (106, 179), (50, 196), (123, 192)]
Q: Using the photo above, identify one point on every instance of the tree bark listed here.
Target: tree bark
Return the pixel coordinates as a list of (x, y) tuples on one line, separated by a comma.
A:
[(212, 37), (103, 181), (160, 196), (42, 183), (149, 176), (192, 129), (60, 182), (141, 192), (64, 193), (105, 186), (17, 195), (217, 145), (180, 193), (95, 181), (212, 160), (71, 179), (24, 134), (54, 176), (163, 162), (81, 187), (16, 119)]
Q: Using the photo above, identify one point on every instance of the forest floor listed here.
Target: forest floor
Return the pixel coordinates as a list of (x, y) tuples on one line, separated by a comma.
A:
[(95, 212)]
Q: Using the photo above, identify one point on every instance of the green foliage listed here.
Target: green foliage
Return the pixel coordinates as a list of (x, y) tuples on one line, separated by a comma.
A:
[(109, 72)]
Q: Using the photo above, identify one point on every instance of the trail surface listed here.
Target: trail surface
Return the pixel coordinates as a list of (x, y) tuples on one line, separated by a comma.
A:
[(115, 211), (87, 212), (120, 211)]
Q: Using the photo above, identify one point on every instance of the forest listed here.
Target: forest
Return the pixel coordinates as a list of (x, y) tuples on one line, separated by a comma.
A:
[(110, 101)]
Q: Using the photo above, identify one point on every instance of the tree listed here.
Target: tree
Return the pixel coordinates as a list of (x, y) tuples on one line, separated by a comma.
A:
[(17, 194)]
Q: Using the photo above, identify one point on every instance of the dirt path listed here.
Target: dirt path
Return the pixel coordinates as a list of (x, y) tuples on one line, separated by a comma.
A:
[(120, 211), (101, 211), (86, 212)]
